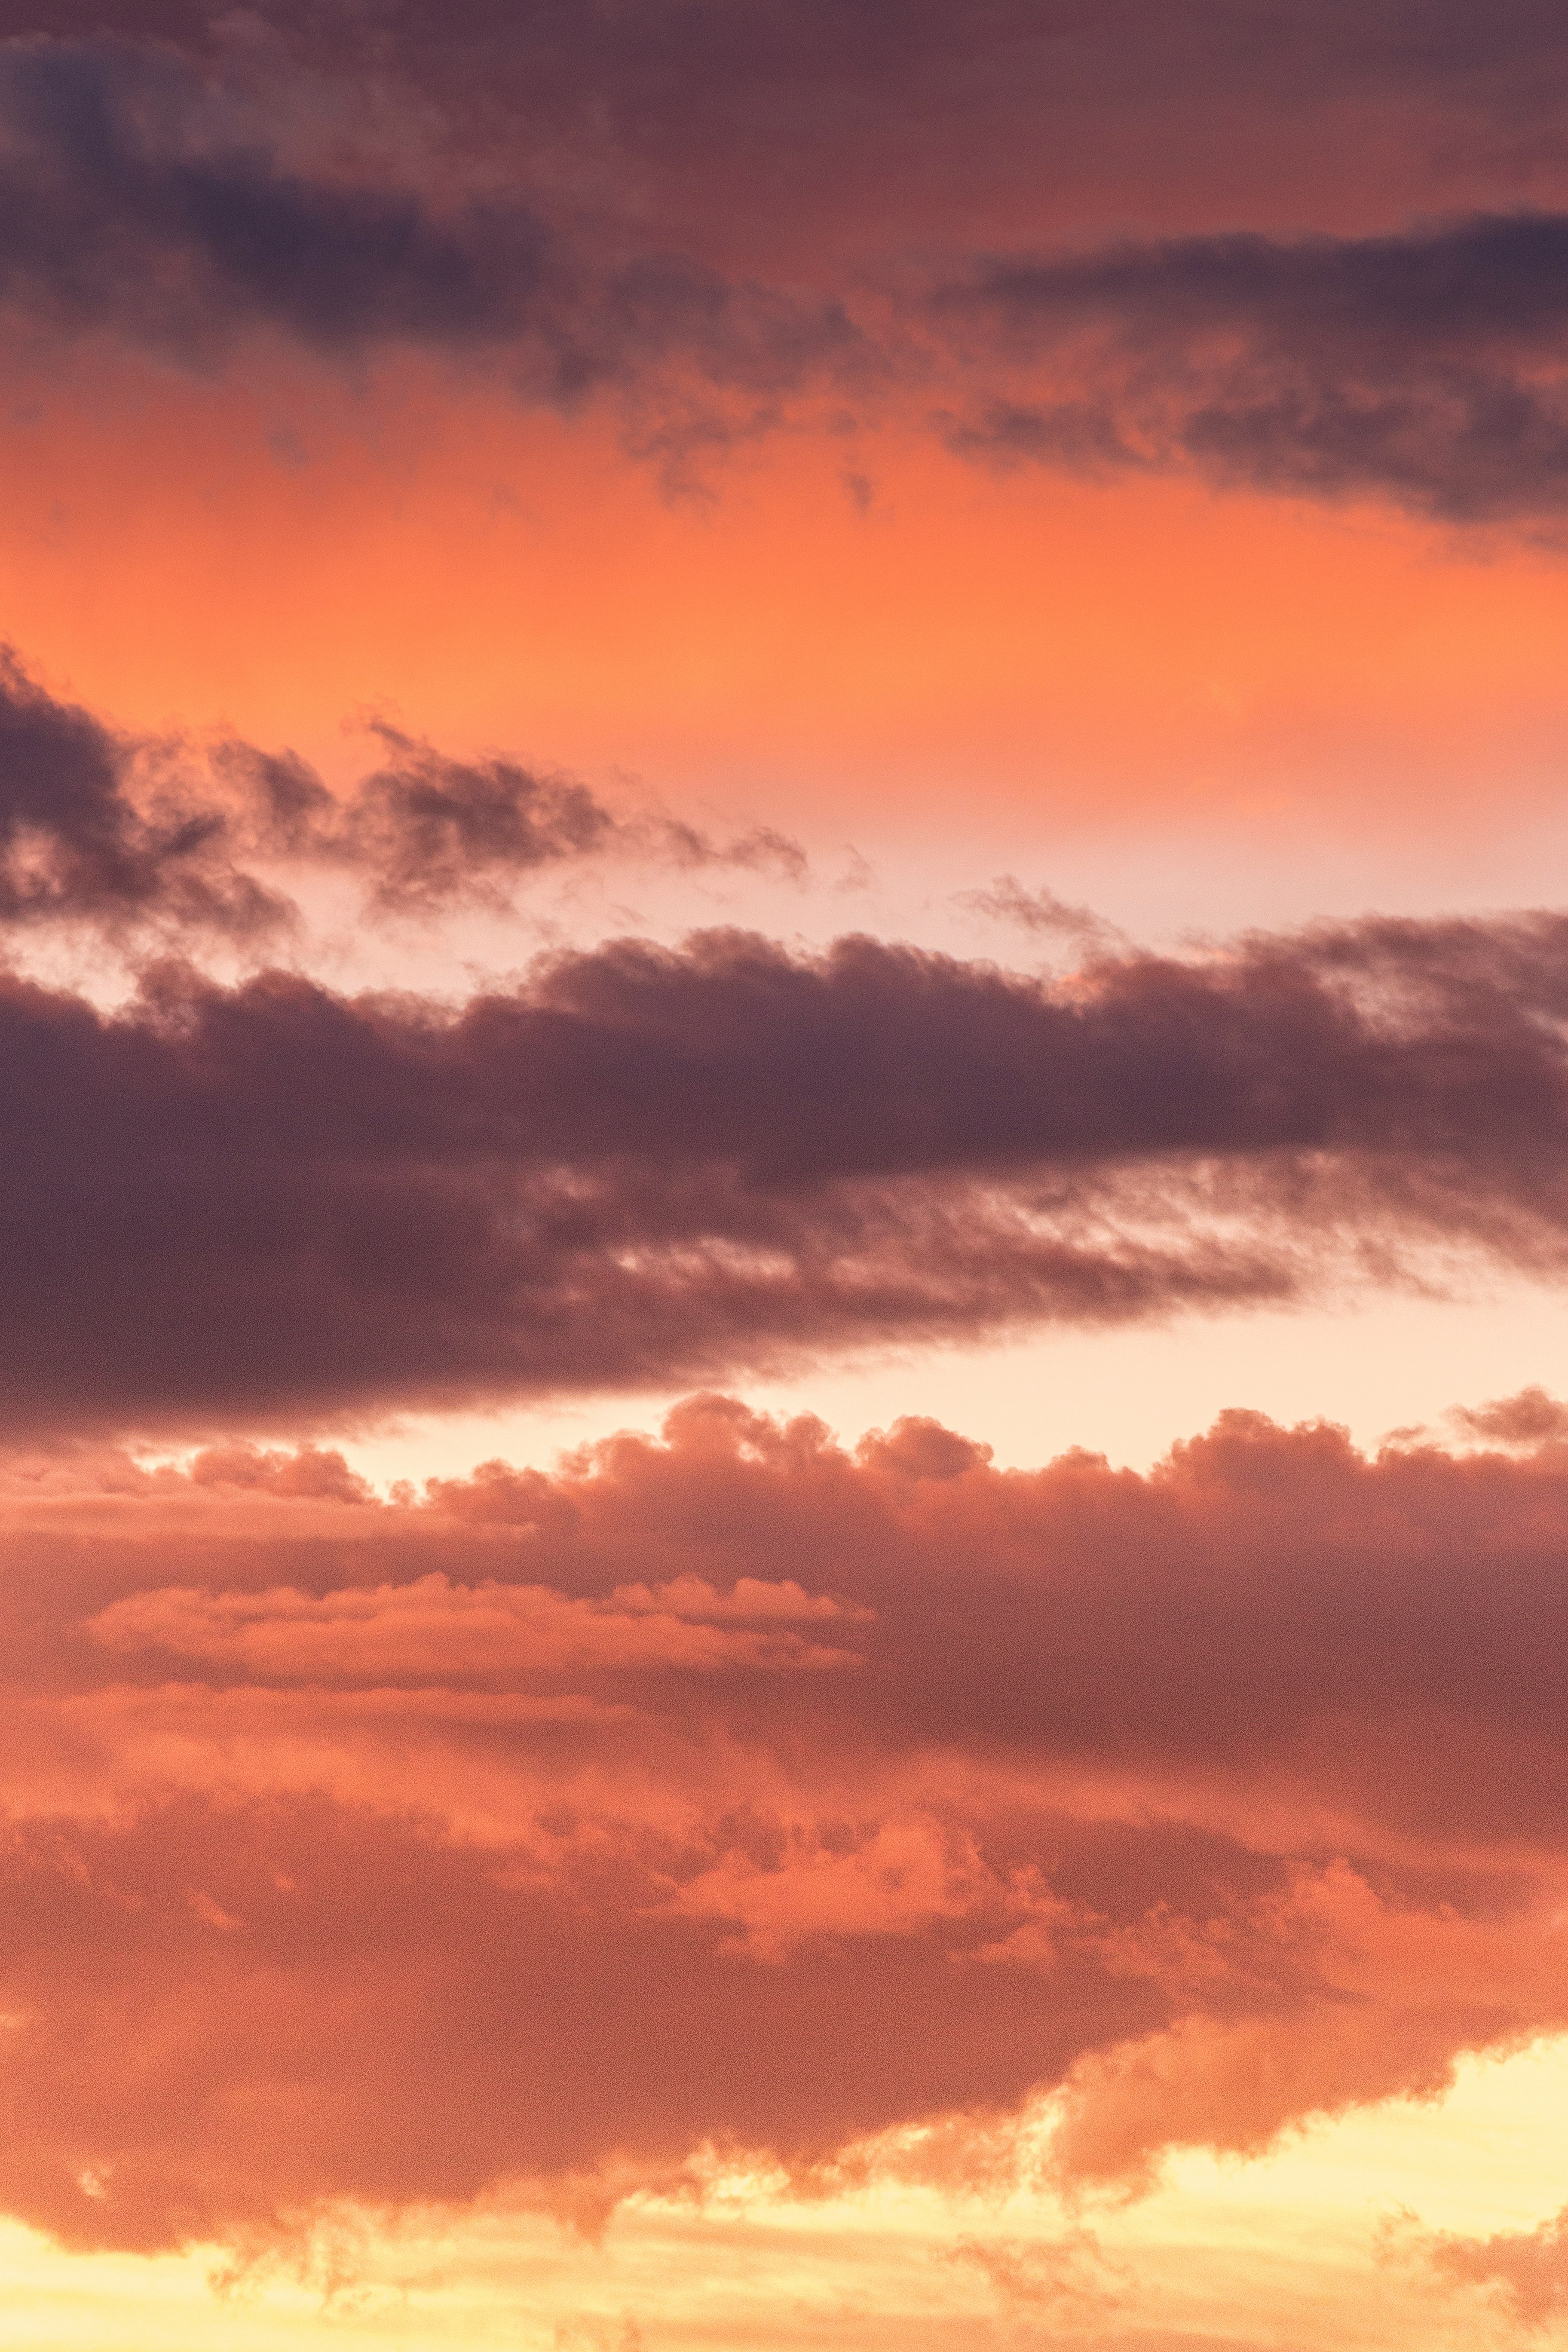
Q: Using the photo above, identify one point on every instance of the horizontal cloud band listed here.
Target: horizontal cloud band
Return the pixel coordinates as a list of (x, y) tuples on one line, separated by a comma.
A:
[(648, 1164), (1426, 363), (1430, 367)]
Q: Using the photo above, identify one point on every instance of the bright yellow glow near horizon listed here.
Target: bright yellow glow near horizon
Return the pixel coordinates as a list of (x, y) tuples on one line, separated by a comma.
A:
[(1325, 2242)]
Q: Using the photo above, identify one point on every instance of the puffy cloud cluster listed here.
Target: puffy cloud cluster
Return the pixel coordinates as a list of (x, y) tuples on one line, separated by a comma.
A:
[(730, 1790)]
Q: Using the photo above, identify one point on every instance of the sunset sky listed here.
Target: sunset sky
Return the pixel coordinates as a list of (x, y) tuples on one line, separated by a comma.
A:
[(784, 1045)]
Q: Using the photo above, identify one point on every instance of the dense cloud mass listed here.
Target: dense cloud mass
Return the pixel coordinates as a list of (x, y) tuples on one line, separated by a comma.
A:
[(592, 208), (646, 1165), (547, 1828)]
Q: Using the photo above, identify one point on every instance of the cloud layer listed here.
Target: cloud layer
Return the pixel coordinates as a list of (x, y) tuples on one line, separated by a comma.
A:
[(731, 1793), (545, 1829), (647, 1164), (141, 200), (591, 218)]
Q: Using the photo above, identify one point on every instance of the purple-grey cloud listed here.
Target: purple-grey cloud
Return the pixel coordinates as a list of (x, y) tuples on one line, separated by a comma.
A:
[(649, 1165)]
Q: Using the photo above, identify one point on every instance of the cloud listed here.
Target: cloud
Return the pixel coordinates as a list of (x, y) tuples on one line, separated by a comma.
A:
[(135, 840), (1039, 913), (105, 196), (141, 198), (424, 832), (1069, 2277), (611, 227), (521, 1833), (433, 1626), (79, 843), (645, 1166), (1527, 2268), (1429, 366), (1019, 104), (1530, 1418)]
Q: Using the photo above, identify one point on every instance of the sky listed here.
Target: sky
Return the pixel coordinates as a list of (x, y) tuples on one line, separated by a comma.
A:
[(783, 1082)]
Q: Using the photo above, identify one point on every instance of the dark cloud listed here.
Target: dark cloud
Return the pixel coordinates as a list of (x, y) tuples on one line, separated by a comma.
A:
[(78, 844), (423, 831), (646, 1165), (683, 211), (1429, 367), (550, 1827), (806, 107), (129, 838), (134, 199), (104, 225)]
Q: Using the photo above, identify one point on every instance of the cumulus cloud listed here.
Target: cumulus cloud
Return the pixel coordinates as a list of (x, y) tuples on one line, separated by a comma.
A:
[(1194, 1802)]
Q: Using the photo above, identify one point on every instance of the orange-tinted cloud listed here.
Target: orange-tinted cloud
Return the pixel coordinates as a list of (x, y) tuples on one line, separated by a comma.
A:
[(548, 1827), (860, 622), (1527, 2269), (435, 1627)]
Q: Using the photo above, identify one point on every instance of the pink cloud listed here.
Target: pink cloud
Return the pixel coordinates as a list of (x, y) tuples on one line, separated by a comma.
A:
[(732, 1789), (432, 1628)]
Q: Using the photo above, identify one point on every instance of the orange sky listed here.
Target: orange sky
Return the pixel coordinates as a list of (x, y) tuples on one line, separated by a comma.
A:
[(994, 661), (716, 1644)]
